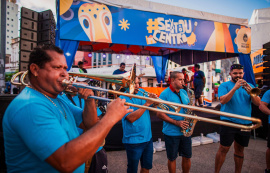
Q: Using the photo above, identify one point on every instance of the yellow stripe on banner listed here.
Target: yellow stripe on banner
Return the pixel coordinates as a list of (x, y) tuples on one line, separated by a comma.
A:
[(219, 37)]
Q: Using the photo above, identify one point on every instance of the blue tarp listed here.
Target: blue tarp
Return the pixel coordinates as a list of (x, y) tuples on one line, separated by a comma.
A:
[(160, 65), (248, 70)]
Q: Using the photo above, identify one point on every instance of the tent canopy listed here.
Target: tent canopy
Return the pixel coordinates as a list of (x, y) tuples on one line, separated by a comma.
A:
[(148, 28)]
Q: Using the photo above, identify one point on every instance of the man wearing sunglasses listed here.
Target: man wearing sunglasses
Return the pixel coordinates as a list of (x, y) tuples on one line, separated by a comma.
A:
[(237, 100)]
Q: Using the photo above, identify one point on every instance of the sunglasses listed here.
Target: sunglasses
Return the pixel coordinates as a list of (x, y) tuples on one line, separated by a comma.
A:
[(237, 66)]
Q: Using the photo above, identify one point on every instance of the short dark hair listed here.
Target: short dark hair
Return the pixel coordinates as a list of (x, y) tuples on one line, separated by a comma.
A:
[(236, 66), (40, 57), (173, 75), (122, 63), (197, 66), (80, 63)]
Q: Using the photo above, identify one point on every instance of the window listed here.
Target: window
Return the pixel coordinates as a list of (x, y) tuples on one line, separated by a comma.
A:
[(7, 12), (7, 42), (11, 19), (7, 36), (11, 25), (7, 30), (150, 82), (11, 31), (7, 6), (7, 18), (11, 37), (12, 8), (7, 24)]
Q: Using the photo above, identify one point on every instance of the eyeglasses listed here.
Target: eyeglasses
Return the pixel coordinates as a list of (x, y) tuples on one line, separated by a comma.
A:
[(237, 66)]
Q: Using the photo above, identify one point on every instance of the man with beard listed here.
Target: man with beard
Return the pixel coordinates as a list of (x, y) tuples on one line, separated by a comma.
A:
[(234, 99), (137, 134)]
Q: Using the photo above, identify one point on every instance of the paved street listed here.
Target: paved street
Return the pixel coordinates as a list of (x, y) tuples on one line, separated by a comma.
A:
[(202, 161)]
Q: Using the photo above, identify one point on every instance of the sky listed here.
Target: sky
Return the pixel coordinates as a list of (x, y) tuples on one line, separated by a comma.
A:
[(233, 8)]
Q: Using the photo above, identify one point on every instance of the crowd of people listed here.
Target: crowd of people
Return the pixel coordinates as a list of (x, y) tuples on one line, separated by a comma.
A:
[(47, 131)]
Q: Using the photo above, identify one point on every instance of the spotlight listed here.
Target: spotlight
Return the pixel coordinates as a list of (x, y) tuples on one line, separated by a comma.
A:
[(147, 58), (90, 55), (127, 57), (138, 57), (117, 56), (104, 55)]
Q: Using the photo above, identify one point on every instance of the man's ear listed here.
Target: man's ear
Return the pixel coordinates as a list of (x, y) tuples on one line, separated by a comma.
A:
[(34, 68)]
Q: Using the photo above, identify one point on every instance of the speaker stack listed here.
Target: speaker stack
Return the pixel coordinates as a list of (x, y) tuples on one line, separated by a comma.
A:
[(266, 59), (37, 28)]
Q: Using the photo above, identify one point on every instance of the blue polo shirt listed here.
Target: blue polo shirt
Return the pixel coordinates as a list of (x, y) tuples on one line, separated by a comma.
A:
[(266, 99), (34, 128), (119, 72), (240, 102), (76, 100), (169, 95), (140, 130)]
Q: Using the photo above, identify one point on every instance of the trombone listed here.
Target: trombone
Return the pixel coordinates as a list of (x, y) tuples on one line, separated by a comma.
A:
[(66, 82)]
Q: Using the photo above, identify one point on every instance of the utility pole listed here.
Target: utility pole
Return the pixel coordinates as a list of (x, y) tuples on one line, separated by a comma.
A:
[(2, 45)]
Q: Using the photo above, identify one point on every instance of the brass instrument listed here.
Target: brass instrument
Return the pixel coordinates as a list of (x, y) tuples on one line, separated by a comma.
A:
[(257, 122), (253, 91), (161, 105), (192, 122)]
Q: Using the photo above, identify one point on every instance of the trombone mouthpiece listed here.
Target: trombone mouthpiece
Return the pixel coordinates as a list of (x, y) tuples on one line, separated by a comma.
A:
[(66, 82)]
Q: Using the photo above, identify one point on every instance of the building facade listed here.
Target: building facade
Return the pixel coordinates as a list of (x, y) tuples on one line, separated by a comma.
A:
[(11, 23)]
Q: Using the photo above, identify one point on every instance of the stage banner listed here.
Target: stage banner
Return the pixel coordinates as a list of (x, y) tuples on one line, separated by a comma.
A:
[(257, 61), (89, 21)]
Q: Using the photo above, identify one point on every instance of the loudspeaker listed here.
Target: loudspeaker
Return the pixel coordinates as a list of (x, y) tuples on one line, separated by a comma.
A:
[(36, 29), (28, 45), (29, 24), (29, 14), (28, 35), (4, 102), (266, 58)]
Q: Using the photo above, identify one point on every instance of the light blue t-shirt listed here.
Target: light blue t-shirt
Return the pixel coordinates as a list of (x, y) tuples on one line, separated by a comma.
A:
[(34, 128), (168, 95), (266, 99), (81, 104), (140, 130), (240, 102)]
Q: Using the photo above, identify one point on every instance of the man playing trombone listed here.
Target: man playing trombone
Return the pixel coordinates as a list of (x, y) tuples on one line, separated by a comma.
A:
[(40, 133), (235, 97), (175, 142), (137, 134)]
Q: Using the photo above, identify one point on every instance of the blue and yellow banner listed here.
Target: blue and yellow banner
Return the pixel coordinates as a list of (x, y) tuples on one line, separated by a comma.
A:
[(86, 21), (257, 61)]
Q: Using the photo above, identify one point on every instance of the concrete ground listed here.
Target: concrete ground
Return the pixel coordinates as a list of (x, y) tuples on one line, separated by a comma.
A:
[(203, 159)]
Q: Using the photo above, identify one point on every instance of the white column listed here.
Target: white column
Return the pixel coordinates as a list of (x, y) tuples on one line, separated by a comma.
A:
[(208, 84)]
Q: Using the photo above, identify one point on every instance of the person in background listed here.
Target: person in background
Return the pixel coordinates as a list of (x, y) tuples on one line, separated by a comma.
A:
[(137, 134), (199, 84), (121, 70), (15, 90), (175, 142), (169, 79), (81, 69), (237, 100), (186, 77), (264, 108), (192, 83), (7, 90)]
